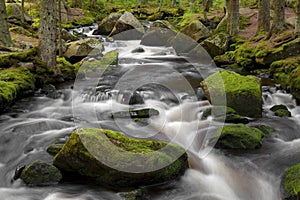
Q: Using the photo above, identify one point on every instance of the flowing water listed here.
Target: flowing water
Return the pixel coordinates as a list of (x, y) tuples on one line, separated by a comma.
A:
[(168, 83)]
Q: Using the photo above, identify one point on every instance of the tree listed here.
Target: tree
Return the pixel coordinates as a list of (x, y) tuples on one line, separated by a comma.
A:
[(48, 33), (278, 22), (5, 38), (59, 29), (233, 17), (206, 4), (297, 25), (173, 3), (263, 16)]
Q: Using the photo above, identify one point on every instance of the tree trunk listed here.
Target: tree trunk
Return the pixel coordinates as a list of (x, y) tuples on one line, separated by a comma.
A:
[(264, 16), (23, 12), (160, 3), (206, 4), (297, 24), (47, 35), (278, 22), (233, 17), (59, 29), (173, 3), (5, 38)]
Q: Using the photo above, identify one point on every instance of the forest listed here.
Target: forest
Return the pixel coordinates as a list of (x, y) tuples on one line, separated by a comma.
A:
[(149, 99)]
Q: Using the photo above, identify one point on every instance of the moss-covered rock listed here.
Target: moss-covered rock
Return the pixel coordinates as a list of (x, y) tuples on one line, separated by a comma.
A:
[(294, 81), (125, 23), (107, 24), (14, 13), (67, 36), (14, 83), (40, 173), (278, 107), (238, 136), (216, 44), (196, 30), (10, 59), (281, 111), (115, 160), (242, 93), (67, 69), (82, 48), (54, 148), (291, 183)]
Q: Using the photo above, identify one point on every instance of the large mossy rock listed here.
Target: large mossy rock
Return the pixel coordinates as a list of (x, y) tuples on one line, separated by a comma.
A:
[(128, 162), (281, 111), (295, 83), (40, 173), (12, 59), (14, 13), (125, 23), (159, 34), (67, 36), (196, 30), (238, 136), (107, 24), (291, 183), (217, 44), (82, 48), (242, 93)]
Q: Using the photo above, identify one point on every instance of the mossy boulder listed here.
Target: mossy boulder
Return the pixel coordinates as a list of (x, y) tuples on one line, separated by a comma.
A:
[(217, 44), (238, 136), (12, 59), (242, 93), (54, 148), (67, 69), (107, 24), (14, 83), (281, 111), (114, 160), (196, 30), (67, 36), (291, 183), (125, 23), (14, 13), (82, 48), (294, 80), (40, 173)]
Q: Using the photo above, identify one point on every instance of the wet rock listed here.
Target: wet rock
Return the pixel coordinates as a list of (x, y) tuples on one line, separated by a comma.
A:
[(136, 98), (40, 173), (109, 152), (67, 36), (217, 44), (127, 22), (54, 148), (196, 30), (137, 113), (110, 58), (238, 136), (107, 24), (132, 195), (18, 172), (291, 183), (281, 111), (242, 93), (82, 48), (14, 13), (138, 50)]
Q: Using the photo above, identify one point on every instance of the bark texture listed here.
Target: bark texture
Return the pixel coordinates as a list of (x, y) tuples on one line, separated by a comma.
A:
[(5, 38), (264, 16), (48, 33), (278, 22), (297, 25), (233, 17)]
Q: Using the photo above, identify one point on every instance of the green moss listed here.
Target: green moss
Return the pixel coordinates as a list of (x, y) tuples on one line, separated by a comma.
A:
[(21, 30), (242, 93), (283, 113), (40, 173), (54, 148), (67, 69), (238, 136), (291, 182), (118, 151), (10, 59)]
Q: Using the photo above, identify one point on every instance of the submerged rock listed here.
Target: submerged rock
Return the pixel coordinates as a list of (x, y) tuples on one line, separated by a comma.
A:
[(40, 173), (238, 136), (54, 148), (125, 23), (137, 113), (291, 183), (242, 93), (114, 160), (107, 24)]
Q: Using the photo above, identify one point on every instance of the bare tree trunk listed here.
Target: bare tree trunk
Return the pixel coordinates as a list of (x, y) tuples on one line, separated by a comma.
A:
[(48, 32), (5, 38), (278, 22), (297, 24), (173, 3), (233, 17), (59, 29), (264, 16)]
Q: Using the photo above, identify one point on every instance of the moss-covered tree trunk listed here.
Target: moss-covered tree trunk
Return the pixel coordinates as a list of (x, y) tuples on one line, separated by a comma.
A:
[(263, 16), (278, 22), (48, 33), (233, 17), (5, 38), (297, 25)]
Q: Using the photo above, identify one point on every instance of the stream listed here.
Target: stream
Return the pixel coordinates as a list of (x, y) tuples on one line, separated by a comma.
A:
[(168, 83)]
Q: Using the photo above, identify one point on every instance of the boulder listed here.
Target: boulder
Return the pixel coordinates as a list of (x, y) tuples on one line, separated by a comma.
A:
[(159, 34), (291, 183), (196, 30), (107, 24), (217, 44), (238, 136), (40, 173), (114, 160), (54, 148), (125, 23), (281, 111), (294, 80), (242, 93), (110, 58), (14, 13), (136, 113), (82, 48), (67, 36)]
